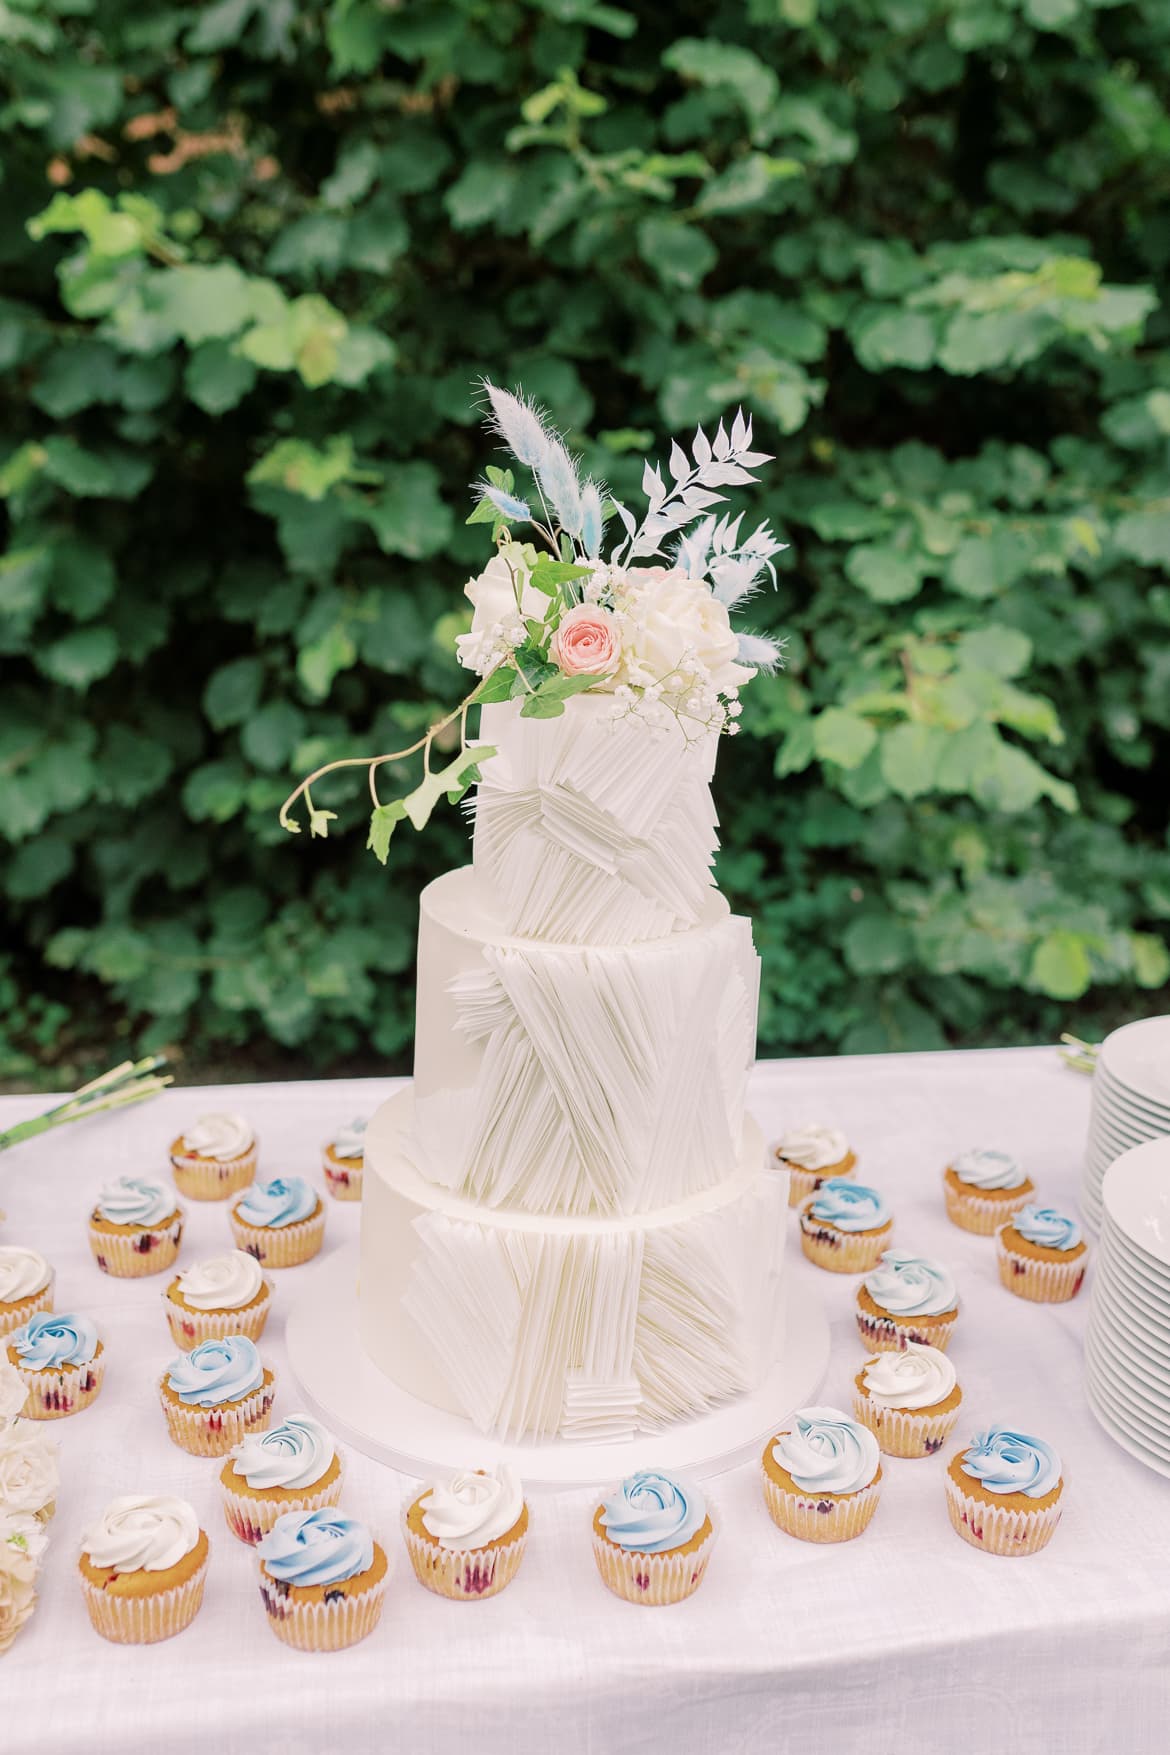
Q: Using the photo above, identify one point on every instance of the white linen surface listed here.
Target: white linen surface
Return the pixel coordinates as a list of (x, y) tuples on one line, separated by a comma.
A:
[(906, 1639)]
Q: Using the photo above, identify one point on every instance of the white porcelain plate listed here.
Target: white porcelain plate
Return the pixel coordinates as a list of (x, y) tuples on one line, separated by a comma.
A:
[(1138, 1055), (1136, 1196)]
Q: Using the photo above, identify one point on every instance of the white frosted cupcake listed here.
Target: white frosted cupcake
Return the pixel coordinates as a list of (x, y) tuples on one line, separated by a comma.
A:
[(1004, 1492), (466, 1535), (215, 1157), (906, 1298), (26, 1286), (844, 1227), (653, 1538), (822, 1476), (60, 1361), (142, 1569), (343, 1160), (215, 1395), (1041, 1255), (292, 1467), (908, 1399), (281, 1223), (224, 1295), (811, 1154), (983, 1188), (135, 1228), (322, 1579)]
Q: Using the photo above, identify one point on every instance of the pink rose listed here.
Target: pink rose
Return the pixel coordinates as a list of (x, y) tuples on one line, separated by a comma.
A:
[(588, 642)]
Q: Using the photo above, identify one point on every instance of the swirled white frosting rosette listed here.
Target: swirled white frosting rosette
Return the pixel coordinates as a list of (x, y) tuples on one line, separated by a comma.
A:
[(26, 1286), (1005, 1492), (1041, 1255), (466, 1535), (343, 1160), (909, 1399), (906, 1298), (811, 1153), (653, 1538), (294, 1466), (215, 1157), (142, 1568), (822, 1476), (220, 1296), (983, 1187), (135, 1228)]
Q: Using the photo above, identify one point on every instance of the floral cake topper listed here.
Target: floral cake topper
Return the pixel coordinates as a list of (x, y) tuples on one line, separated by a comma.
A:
[(649, 624)]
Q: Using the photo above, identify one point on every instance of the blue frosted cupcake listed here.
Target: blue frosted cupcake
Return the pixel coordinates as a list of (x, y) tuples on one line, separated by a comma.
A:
[(322, 1579), (281, 1223), (906, 1300), (822, 1476), (60, 1361), (1041, 1255), (135, 1228), (652, 1538), (844, 1227), (983, 1188), (1005, 1492), (216, 1394)]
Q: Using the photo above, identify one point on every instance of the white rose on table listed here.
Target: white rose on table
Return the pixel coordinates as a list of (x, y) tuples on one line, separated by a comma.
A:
[(28, 1469), (498, 615), (13, 1394), (22, 1543), (17, 1600), (673, 621)]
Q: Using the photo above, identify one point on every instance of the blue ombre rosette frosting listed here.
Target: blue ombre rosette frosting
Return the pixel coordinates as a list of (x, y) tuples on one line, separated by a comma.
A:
[(827, 1452), (849, 1205), (350, 1141), (283, 1201), (652, 1513), (1011, 1462), (216, 1371), (132, 1200), (316, 1547), (1047, 1228), (297, 1453), (911, 1285), (981, 1167), (47, 1340)]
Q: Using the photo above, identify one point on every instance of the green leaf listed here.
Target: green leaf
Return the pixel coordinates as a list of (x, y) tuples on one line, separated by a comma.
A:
[(987, 566), (798, 748), (1001, 650), (895, 338), (320, 661), (233, 691), (1145, 536), (80, 658), (201, 304), (218, 378), (679, 254), (305, 469), (876, 944), (910, 758), (383, 820), (708, 62), (1151, 959), (409, 517), (215, 791), (269, 737), (1060, 965), (419, 804), (319, 821), (842, 737), (883, 573)]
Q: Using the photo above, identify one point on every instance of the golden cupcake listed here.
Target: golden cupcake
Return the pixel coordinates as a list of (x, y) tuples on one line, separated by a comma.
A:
[(909, 1400), (811, 1154), (142, 1569), (822, 1476), (224, 1295), (343, 1161), (844, 1227), (215, 1395), (61, 1363), (1004, 1492), (322, 1580), (135, 1228), (466, 1535), (983, 1188), (26, 1286), (653, 1538), (906, 1298), (214, 1158), (1041, 1255), (281, 1223), (294, 1466)]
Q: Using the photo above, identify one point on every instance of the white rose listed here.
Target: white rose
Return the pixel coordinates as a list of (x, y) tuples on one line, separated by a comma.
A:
[(677, 622), (13, 1394), (17, 1598), (28, 1469), (22, 1543), (493, 597)]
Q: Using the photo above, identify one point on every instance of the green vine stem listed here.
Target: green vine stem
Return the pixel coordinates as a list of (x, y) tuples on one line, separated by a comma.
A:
[(131, 1082)]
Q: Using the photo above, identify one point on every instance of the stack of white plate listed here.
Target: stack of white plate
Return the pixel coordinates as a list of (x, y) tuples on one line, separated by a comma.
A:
[(1127, 1345), (1131, 1102)]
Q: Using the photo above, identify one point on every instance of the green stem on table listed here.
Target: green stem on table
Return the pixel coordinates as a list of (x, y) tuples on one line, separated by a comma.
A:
[(1081, 1056), (132, 1082)]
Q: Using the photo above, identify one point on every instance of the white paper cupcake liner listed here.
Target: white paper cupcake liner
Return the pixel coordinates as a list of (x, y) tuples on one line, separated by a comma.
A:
[(280, 1246), (906, 1432), (343, 1179), (653, 1579), (189, 1328), (250, 1519), (147, 1619), (1041, 1282), (55, 1392), (825, 1517), (15, 1315), (996, 1529), (891, 1334), (132, 1256), (322, 1626), (842, 1252), (464, 1575), (973, 1211), (213, 1178), (215, 1431)]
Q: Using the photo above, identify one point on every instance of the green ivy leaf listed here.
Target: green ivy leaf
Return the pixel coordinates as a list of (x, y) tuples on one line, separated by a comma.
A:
[(383, 820), (218, 377), (842, 737), (910, 758), (884, 574), (80, 658), (232, 692), (1060, 965)]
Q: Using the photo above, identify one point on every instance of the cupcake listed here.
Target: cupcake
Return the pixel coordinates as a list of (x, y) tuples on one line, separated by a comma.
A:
[(906, 1298), (822, 1476), (908, 1399), (343, 1161), (215, 1158), (1004, 1492), (1041, 1255), (811, 1155), (322, 1579), (281, 1223), (61, 1363), (142, 1569), (291, 1467), (983, 1188), (652, 1538), (135, 1228), (26, 1286), (225, 1295), (216, 1394), (844, 1227), (466, 1535)]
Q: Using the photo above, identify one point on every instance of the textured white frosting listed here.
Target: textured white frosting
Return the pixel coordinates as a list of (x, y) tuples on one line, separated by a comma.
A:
[(297, 1453), (813, 1146), (917, 1377), (219, 1136), (350, 1141), (222, 1282), (23, 1273), (142, 1533), (983, 1167), (471, 1510)]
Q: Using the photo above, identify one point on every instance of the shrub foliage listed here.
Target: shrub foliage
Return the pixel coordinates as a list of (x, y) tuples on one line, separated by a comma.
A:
[(255, 254)]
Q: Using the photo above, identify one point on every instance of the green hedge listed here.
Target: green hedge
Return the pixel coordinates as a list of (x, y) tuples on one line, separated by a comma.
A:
[(254, 255)]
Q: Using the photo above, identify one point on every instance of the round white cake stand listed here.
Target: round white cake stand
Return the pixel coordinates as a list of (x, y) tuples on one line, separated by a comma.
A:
[(368, 1410)]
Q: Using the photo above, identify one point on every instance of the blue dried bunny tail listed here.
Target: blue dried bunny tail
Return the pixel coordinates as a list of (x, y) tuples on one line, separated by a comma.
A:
[(525, 431), (760, 651), (509, 504), (592, 519)]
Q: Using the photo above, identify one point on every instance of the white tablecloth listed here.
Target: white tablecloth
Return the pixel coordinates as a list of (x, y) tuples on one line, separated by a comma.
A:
[(905, 1640)]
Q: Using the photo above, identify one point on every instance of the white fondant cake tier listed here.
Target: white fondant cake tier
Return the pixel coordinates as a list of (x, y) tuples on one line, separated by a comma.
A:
[(580, 1327), (591, 830), (579, 1079)]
